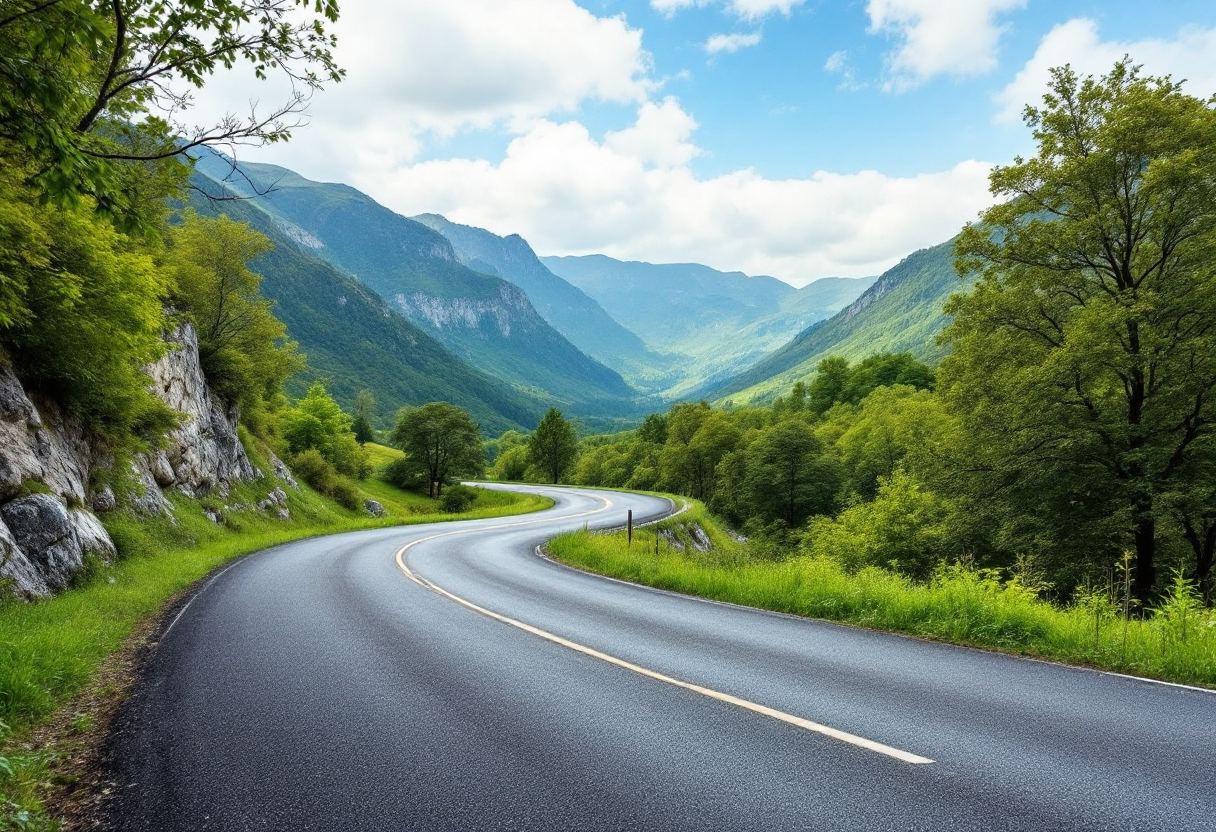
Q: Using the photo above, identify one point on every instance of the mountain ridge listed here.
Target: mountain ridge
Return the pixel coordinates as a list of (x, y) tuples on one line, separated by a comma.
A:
[(572, 312), (721, 323), (352, 338), (483, 319)]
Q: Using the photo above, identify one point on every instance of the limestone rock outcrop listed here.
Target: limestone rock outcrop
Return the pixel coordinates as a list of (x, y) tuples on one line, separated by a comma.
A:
[(204, 453), (48, 528)]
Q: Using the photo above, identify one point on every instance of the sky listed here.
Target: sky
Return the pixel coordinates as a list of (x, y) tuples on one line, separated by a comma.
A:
[(795, 138)]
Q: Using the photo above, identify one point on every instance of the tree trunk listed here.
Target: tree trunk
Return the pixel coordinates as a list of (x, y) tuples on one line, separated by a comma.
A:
[(1204, 573), (1203, 544), (1146, 548)]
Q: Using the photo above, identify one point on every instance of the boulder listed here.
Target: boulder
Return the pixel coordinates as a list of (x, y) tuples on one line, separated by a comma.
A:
[(282, 471), (374, 508), (146, 497), (162, 471), (43, 530), (104, 499), (92, 536), (17, 575)]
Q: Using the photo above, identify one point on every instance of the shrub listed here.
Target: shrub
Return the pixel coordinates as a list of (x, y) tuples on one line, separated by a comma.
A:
[(313, 468), (458, 498), (403, 474), (345, 494)]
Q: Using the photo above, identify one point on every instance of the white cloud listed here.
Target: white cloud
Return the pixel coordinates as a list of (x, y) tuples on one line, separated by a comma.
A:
[(939, 37), (432, 68), (838, 64), (732, 42), (628, 196), (514, 66), (660, 136), (1077, 42), (837, 61), (670, 7), (745, 9)]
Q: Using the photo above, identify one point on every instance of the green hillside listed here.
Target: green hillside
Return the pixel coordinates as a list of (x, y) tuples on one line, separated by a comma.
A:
[(900, 312), (354, 341), (570, 310), (485, 320)]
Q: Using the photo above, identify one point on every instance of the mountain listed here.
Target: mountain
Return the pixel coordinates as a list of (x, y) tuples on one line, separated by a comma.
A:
[(567, 308), (720, 323), (353, 339), (485, 320), (900, 312), (644, 296)]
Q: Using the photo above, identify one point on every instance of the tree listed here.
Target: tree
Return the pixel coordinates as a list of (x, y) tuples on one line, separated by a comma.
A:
[(831, 376), (82, 312), (440, 441), (554, 446), (836, 382), (93, 92), (890, 425), (509, 439), (512, 464), (906, 528), (1084, 361), (691, 466), (242, 347), (316, 422), (363, 413), (885, 370), (788, 477)]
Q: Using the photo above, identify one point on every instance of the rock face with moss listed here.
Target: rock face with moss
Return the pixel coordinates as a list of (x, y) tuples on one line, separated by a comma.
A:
[(49, 487)]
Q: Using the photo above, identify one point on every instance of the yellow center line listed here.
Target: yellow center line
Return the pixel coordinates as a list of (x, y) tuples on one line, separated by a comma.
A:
[(764, 710)]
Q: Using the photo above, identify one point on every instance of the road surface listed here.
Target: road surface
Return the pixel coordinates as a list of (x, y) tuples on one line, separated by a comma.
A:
[(445, 677)]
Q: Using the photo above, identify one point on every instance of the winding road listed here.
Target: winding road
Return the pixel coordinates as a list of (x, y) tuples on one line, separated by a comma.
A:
[(446, 677)]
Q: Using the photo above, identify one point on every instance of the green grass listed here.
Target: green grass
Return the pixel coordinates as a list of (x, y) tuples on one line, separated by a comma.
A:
[(960, 606), (51, 650)]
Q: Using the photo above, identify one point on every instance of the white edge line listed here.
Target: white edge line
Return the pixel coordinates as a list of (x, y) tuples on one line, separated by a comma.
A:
[(195, 596)]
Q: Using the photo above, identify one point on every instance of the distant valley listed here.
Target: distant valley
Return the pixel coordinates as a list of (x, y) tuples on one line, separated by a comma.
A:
[(717, 323)]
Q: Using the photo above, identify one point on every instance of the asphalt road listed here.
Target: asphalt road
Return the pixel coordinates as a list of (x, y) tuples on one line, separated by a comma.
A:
[(315, 686)]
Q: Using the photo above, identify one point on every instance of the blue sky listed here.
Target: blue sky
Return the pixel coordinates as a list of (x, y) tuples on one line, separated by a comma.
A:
[(799, 138)]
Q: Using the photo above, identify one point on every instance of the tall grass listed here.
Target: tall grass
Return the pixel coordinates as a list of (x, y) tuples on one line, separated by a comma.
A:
[(959, 605), (52, 650)]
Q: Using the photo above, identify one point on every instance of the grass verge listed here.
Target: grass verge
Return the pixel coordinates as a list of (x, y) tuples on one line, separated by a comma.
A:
[(61, 660), (970, 607)]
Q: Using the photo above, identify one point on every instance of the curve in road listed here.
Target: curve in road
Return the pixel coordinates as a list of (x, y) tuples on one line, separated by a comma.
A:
[(314, 686)]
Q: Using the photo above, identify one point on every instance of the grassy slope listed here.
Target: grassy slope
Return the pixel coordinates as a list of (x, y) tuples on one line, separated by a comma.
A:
[(50, 651), (962, 607), (900, 312)]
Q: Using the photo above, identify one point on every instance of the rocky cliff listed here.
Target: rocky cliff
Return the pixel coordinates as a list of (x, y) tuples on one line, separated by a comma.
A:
[(48, 497)]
